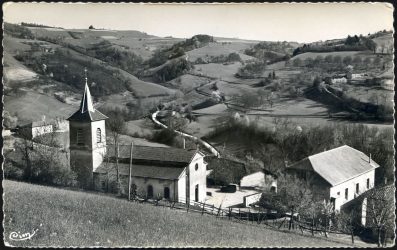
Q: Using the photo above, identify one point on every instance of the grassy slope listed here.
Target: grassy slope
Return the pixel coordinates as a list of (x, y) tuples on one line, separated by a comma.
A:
[(70, 218), (32, 105)]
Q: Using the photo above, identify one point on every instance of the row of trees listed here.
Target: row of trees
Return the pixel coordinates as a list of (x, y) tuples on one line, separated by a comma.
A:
[(335, 61), (354, 43)]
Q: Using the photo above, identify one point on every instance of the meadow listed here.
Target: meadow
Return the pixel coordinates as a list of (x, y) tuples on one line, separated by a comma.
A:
[(71, 218)]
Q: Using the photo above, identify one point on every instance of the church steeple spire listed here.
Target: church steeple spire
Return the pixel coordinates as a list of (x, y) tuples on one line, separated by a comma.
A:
[(86, 101), (86, 112)]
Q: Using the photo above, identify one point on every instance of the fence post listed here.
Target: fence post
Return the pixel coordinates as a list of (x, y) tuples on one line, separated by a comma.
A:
[(188, 205), (230, 213), (219, 209), (213, 208), (202, 212)]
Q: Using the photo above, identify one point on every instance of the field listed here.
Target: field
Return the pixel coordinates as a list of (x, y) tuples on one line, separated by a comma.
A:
[(69, 218), (217, 49), (32, 105)]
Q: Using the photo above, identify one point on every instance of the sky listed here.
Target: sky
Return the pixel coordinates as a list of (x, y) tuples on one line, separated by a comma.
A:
[(301, 22)]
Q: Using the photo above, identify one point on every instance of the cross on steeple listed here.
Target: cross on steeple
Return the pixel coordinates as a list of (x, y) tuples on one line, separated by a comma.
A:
[(85, 73), (86, 101)]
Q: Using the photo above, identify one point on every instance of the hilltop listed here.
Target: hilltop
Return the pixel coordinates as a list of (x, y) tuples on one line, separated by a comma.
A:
[(72, 218)]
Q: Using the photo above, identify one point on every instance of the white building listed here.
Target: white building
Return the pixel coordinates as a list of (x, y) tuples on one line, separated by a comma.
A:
[(156, 172), (338, 175), (37, 128)]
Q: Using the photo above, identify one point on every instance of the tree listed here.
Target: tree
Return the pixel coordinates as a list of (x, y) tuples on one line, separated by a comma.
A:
[(116, 126), (293, 196), (380, 210), (347, 221), (91, 27)]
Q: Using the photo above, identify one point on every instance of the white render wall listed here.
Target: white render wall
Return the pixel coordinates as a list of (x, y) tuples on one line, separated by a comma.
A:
[(351, 185), (36, 131), (198, 177), (98, 149)]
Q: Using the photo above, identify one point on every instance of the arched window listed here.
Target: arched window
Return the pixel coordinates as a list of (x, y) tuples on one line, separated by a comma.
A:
[(196, 166), (98, 135), (149, 191), (80, 139), (166, 193)]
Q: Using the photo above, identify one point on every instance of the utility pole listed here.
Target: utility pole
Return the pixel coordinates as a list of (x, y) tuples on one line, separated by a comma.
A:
[(129, 173)]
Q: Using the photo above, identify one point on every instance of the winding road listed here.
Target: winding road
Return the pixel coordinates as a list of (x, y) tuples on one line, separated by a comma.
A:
[(204, 143)]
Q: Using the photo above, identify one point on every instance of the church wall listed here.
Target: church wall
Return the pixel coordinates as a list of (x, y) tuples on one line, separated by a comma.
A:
[(86, 131), (81, 164), (101, 183), (99, 148), (198, 177), (181, 192)]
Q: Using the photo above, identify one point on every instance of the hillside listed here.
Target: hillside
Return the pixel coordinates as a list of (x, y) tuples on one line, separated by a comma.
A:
[(71, 218)]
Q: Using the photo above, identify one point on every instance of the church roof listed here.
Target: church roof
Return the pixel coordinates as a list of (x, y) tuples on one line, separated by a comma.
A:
[(163, 154), (145, 171), (337, 165), (86, 111)]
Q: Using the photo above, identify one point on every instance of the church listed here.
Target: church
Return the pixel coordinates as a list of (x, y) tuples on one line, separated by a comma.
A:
[(156, 172)]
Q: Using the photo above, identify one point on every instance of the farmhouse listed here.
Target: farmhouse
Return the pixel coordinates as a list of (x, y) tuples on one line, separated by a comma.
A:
[(167, 172), (339, 175), (37, 128), (156, 172)]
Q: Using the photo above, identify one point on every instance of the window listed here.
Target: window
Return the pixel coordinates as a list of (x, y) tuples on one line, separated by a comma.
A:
[(357, 188), (346, 193), (368, 183), (80, 139), (196, 167), (166, 193), (98, 135), (149, 191), (338, 193)]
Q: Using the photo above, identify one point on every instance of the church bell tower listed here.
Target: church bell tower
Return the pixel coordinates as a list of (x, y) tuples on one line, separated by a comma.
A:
[(87, 139)]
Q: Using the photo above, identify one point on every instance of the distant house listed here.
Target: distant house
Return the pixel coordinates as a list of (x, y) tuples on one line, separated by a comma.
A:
[(170, 173), (34, 129), (259, 180), (339, 80), (338, 175)]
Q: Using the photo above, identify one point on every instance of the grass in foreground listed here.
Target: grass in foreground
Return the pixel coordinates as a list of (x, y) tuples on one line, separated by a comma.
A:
[(71, 218)]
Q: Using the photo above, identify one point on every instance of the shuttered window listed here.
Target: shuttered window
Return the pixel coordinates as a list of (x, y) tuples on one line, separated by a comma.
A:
[(98, 135), (80, 137)]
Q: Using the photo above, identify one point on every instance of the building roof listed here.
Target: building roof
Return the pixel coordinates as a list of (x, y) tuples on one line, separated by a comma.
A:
[(37, 124), (144, 171), (86, 111), (337, 165), (163, 154)]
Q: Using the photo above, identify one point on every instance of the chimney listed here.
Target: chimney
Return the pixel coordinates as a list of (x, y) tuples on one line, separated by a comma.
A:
[(43, 118), (369, 160)]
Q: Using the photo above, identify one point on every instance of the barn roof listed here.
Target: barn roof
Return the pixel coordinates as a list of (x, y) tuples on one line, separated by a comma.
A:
[(337, 165), (86, 111), (145, 171), (154, 153)]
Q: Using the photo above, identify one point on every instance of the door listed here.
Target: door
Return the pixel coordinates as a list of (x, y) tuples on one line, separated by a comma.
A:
[(166, 193), (196, 193), (149, 191)]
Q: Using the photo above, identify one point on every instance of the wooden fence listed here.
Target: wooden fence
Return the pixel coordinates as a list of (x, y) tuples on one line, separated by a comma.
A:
[(251, 216)]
